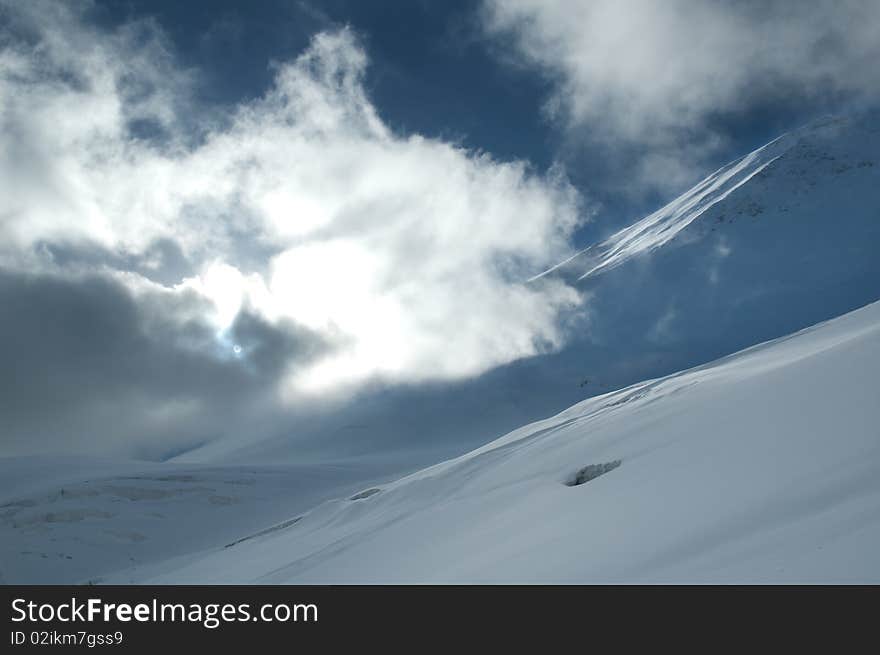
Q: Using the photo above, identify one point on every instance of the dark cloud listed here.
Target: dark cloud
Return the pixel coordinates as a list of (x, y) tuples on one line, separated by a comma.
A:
[(162, 261), (87, 365)]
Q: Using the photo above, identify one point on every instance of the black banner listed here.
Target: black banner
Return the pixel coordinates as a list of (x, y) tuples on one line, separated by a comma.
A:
[(420, 617)]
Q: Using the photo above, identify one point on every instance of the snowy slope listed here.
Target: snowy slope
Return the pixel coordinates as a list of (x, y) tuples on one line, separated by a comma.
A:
[(73, 519), (763, 466)]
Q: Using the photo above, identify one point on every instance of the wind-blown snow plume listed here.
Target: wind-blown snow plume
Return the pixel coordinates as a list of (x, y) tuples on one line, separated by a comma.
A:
[(664, 224)]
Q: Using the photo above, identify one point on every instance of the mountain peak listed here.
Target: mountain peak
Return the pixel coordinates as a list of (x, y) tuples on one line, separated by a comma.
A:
[(795, 164)]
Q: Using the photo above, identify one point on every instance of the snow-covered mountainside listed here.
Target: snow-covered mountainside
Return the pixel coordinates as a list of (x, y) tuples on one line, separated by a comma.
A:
[(66, 520), (835, 159), (763, 466)]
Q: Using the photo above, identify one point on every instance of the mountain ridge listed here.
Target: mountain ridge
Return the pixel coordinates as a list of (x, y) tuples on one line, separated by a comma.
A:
[(663, 225)]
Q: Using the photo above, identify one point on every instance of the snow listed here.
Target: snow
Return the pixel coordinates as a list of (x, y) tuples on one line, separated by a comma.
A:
[(68, 520), (763, 466)]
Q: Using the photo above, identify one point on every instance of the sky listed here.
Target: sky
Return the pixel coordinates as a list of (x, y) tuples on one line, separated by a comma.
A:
[(220, 218)]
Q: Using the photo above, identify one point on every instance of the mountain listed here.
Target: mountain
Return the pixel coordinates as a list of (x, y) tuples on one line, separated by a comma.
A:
[(763, 466), (775, 241), (812, 174)]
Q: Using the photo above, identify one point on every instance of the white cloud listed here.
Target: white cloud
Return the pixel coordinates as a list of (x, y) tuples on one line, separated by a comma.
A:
[(301, 205), (656, 73)]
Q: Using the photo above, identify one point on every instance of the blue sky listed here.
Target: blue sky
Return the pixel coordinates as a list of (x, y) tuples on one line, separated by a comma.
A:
[(241, 212), (435, 70), (432, 71)]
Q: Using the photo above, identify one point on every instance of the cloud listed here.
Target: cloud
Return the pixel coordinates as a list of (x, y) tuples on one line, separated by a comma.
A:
[(661, 73), (91, 366), (296, 218)]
